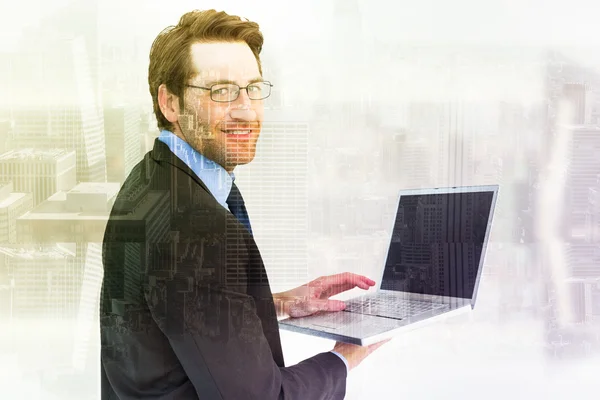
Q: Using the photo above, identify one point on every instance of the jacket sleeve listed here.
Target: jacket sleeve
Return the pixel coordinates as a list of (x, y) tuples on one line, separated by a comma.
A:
[(211, 323)]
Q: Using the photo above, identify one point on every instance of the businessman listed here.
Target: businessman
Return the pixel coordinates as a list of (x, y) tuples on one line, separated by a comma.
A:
[(186, 307)]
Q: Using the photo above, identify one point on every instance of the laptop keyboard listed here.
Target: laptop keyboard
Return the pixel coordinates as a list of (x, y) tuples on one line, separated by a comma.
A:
[(391, 307)]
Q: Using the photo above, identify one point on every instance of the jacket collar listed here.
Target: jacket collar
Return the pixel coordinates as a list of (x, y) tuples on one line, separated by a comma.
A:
[(161, 153)]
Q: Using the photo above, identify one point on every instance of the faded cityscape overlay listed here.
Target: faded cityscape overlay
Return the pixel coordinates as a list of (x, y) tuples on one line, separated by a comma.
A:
[(352, 119)]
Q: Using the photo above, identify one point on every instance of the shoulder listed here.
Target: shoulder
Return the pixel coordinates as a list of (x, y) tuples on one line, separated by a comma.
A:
[(161, 193)]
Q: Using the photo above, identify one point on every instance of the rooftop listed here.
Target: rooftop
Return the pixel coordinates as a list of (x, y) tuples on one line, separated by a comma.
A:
[(11, 198), (55, 208), (33, 154), (32, 252)]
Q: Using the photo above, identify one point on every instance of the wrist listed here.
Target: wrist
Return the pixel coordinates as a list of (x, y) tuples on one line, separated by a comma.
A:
[(281, 304), (347, 354), (343, 358)]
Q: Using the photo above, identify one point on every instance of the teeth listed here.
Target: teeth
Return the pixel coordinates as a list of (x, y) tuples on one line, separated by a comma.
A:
[(238, 132)]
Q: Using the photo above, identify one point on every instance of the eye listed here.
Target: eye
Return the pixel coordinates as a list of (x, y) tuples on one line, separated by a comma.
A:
[(221, 91)]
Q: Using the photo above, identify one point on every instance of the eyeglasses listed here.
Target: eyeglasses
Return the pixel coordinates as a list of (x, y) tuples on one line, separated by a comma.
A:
[(227, 92)]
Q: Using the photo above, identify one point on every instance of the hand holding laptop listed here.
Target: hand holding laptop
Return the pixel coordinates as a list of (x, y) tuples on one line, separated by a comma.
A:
[(436, 252), (314, 296), (354, 353)]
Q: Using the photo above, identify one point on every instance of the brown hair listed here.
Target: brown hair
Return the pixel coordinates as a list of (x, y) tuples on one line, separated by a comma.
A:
[(170, 58)]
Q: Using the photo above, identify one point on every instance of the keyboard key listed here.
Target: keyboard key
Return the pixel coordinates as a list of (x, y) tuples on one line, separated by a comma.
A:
[(390, 307)]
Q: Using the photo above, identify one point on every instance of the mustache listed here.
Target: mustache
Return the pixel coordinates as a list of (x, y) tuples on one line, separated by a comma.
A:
[(228, 126)]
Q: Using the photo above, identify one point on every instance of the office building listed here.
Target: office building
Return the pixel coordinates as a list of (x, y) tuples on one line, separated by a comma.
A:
[(47, 282), (39, 172), (122, 133), (277, 196), (58, 106), (12, 206), (78, 215), (582, 174)]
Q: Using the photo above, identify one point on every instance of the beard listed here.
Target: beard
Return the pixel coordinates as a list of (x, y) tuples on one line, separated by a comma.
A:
[(202, 138), (215, 145)]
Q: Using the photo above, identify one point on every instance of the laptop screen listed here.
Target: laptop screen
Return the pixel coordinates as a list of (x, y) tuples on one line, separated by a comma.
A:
[(437, 243)]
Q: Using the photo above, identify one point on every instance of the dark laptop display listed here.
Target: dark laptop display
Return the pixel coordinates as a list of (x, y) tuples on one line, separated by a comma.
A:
[(437, 243)]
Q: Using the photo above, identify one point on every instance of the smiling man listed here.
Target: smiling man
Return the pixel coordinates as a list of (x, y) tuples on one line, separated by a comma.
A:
[(218, 122), (186, 308)]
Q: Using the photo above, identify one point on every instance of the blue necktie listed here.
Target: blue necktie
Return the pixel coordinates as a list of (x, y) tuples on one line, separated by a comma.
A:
[(237, 207)]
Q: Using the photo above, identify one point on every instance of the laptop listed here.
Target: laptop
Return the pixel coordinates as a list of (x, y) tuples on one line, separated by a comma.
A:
[(432, 269)]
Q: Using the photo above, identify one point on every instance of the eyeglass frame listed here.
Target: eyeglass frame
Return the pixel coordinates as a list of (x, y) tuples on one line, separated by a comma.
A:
[(239, 91)]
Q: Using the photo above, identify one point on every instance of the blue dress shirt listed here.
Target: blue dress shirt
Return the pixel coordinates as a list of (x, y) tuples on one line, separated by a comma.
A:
[(217, 180)]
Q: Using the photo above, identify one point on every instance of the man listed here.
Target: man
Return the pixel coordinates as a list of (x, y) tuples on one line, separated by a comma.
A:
[(186, 309)]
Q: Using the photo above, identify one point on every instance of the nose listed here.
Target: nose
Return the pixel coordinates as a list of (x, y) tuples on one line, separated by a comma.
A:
[(245, 114), (243, 97), (241, 108)]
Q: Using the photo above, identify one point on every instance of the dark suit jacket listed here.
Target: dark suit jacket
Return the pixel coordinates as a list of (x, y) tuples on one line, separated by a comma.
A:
[(186, 309)]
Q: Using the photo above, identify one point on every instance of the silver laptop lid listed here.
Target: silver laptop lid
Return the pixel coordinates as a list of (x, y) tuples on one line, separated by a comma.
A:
[(438, 242)]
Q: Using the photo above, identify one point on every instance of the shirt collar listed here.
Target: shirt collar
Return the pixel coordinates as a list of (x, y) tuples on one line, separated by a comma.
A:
[(217, 180)]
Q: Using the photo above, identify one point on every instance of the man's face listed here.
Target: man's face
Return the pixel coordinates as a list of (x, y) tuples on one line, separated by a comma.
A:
[(226, 133)]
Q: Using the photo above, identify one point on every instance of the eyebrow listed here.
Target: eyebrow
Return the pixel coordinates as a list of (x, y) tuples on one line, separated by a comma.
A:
[(220, 81)]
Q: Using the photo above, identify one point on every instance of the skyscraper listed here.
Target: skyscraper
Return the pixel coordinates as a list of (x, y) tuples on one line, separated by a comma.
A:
[(55, 85), (77, 18), (582, 174), (447, 130), (89, 258), (122, 129), (568, 153), (12, 206), (277, 194), (47, 282), (574, 94), (592, 224)]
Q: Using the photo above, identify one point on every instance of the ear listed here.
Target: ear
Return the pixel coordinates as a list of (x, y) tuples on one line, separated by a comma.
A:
[(168, 103)]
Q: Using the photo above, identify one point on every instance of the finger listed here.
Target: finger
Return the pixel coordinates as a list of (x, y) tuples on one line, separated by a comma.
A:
[(314, 306), (332, 290), (367, 280), (377, 345), (364, 285), (359, 279), (342, 278), (335, 305), (339, 283), (347, 279)]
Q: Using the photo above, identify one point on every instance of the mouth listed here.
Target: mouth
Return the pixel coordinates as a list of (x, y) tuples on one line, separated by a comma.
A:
[(239, 132)]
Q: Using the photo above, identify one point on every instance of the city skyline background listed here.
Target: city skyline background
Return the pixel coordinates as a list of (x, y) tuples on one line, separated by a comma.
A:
[(363, 105)]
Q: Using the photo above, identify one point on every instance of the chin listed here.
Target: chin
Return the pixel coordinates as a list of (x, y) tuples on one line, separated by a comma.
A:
[(243, 161), (240, 161)]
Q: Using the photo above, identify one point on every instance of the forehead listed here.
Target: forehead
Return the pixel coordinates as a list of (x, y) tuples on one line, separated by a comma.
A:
[(233, 61)]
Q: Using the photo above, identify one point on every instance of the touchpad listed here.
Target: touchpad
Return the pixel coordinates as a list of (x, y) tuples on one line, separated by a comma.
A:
[(334, 320)]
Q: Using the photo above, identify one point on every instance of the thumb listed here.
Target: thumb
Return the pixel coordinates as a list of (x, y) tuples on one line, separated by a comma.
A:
[(334, 305), (375, 346), (314, 306)]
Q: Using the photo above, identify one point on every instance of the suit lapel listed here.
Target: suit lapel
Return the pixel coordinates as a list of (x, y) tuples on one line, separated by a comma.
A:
[(258, 284), (258, 287), (162, 153)]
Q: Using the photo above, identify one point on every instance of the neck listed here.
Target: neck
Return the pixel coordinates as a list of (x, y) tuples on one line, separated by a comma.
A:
[(177, 132)]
